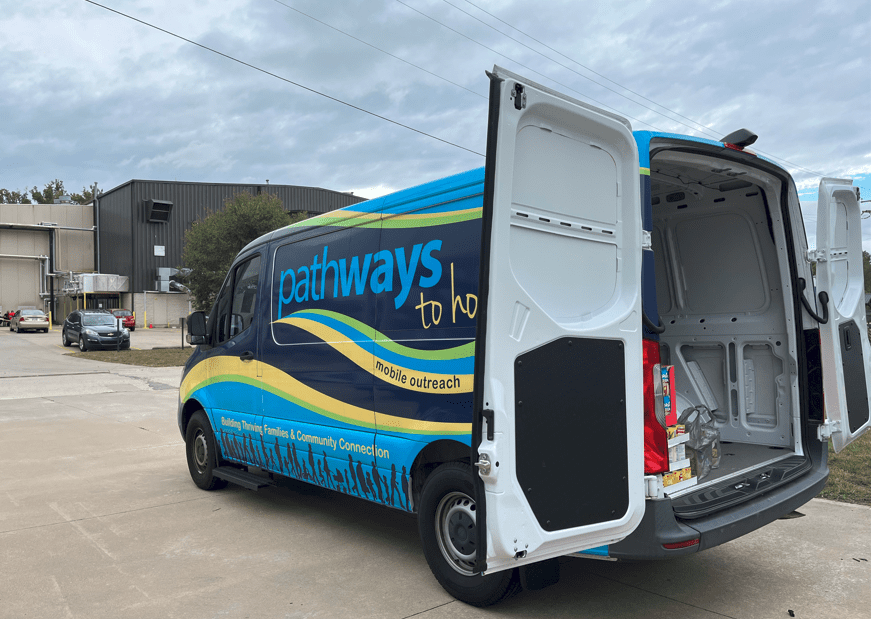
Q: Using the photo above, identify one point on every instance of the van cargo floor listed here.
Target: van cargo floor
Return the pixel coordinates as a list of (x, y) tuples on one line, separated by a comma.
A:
[(745, 471), (740, 457)]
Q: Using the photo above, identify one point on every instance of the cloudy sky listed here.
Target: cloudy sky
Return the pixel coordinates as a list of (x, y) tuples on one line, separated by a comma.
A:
[(90, 95)]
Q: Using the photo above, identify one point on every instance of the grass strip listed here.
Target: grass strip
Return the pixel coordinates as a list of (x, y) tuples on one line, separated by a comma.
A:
[(850, 473), (155, 358)]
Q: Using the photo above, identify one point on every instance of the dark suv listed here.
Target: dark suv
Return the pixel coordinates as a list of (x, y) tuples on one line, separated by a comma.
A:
[(94, 329)]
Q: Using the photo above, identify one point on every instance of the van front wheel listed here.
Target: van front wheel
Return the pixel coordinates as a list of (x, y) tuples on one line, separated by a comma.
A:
[(447, 523), (202, 453)]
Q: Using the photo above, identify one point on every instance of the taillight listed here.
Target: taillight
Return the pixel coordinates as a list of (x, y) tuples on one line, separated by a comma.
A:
[(655, 440)]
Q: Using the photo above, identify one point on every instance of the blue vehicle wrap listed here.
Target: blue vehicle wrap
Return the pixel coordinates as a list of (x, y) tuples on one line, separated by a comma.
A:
[(364, 342)]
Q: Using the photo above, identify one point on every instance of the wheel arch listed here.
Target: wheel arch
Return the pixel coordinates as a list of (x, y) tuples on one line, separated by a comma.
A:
[(430, 458), (187, 410)]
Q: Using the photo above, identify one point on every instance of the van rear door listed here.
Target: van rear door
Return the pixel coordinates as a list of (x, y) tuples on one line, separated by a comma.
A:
[(557, 434), (846, 350)]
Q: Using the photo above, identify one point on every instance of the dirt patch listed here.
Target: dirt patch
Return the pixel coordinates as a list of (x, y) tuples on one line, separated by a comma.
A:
[(156, 358)]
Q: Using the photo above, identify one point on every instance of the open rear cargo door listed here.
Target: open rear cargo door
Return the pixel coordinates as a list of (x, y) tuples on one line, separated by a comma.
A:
[(846, 351), (557, 433)]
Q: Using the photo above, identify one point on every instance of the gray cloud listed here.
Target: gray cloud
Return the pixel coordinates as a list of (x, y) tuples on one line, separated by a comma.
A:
[(92, 96)]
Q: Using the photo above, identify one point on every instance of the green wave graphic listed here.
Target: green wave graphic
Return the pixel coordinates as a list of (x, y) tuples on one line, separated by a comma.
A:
[(458, 352)]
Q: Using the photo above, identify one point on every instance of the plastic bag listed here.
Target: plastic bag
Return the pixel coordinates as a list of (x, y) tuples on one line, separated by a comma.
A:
[(703, 446)]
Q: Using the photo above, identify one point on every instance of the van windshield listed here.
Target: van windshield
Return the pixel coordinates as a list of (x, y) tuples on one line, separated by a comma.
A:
[(94, 320)]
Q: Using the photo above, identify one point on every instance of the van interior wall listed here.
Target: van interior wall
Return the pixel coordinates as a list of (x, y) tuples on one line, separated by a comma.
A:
[(721, 300)]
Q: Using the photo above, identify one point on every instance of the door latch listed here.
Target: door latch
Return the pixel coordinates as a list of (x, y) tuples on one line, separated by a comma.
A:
[(519, 96), (483, 464)]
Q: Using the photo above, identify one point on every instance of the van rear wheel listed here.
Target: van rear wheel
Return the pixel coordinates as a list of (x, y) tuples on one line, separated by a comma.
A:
[(202, 454), (447, 525)]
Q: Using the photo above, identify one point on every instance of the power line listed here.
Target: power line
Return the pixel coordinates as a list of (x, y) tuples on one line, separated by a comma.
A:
[(794, 165), (284, 79), (586, 77), (379, 49), (567, 87), (593, 71)]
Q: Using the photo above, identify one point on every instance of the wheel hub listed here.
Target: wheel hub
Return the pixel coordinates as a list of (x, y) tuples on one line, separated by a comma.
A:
[(456, 531), (201, 450)]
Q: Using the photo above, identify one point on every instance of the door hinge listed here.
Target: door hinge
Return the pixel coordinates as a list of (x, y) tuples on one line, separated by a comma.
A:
[(825, 431), (646, 240), (653, 488), (816, 255)]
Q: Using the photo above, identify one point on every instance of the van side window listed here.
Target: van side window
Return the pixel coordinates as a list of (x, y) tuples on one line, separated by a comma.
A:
[(237, 302), (244, 296)]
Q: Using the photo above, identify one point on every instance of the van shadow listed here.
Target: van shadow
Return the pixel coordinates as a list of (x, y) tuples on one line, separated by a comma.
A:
[(587, 587)]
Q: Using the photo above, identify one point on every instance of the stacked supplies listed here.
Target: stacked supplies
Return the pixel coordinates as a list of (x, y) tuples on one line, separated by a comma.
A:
[(680, 473)]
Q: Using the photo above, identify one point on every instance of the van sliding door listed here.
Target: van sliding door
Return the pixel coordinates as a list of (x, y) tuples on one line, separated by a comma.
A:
[(557, 433)]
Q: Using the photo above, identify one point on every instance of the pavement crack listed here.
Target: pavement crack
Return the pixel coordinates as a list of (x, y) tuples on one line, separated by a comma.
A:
[(656, 593), (429, 609), (73, 521)]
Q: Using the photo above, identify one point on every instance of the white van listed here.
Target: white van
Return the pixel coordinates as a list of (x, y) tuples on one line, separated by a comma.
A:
[(484, 350)]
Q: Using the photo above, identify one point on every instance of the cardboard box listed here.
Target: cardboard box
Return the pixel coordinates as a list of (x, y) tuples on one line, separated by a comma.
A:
[(674, 477), (673, 431)]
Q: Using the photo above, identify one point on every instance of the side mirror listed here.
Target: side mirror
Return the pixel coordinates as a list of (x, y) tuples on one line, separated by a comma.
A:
[(197, 329)]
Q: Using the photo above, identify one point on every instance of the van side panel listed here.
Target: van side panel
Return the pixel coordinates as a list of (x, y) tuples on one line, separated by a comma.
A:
[(367, 330)]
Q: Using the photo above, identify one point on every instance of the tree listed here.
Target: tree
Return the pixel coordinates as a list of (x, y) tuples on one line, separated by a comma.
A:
[(51, 192), (212, 242), (13, 197)]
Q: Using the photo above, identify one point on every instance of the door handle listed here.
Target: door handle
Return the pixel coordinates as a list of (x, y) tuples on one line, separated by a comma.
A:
[(247, 356), (824, 301)]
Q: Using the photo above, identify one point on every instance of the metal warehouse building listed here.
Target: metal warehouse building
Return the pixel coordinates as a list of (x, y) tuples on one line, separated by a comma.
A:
[(141, 228), (41, 245)]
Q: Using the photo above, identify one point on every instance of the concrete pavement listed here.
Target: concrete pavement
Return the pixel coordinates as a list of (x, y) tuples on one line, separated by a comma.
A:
[(99, 518)]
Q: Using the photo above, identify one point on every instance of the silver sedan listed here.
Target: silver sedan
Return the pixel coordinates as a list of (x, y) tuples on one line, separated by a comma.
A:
[(29, 320)]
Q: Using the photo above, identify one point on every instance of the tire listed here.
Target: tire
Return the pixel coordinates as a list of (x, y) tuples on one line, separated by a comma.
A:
[(446, 522), (202, 453), (132, 329), (82, 346), (64, 339)]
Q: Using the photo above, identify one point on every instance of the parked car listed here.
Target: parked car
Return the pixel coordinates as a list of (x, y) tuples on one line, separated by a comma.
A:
[(29, 320), (93, 329), (127, 316)]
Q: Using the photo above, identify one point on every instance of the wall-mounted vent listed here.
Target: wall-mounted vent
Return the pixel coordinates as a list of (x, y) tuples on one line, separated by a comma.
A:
[(158, 211)]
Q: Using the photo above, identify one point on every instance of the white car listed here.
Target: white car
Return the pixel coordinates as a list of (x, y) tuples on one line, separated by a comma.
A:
[(29, 320)]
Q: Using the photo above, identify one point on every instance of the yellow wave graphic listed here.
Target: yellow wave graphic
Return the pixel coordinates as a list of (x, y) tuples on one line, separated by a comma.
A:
[(413, 380), (232, 369)]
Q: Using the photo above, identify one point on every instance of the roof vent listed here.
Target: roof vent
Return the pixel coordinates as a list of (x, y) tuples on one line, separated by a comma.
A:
[(159, 211)]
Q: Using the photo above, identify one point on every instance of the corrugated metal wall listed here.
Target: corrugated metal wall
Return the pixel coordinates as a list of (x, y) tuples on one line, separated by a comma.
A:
[(128, 240)]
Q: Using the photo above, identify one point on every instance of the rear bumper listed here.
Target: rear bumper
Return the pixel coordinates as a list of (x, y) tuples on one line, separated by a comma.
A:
[(32, 326), (660, 526)]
